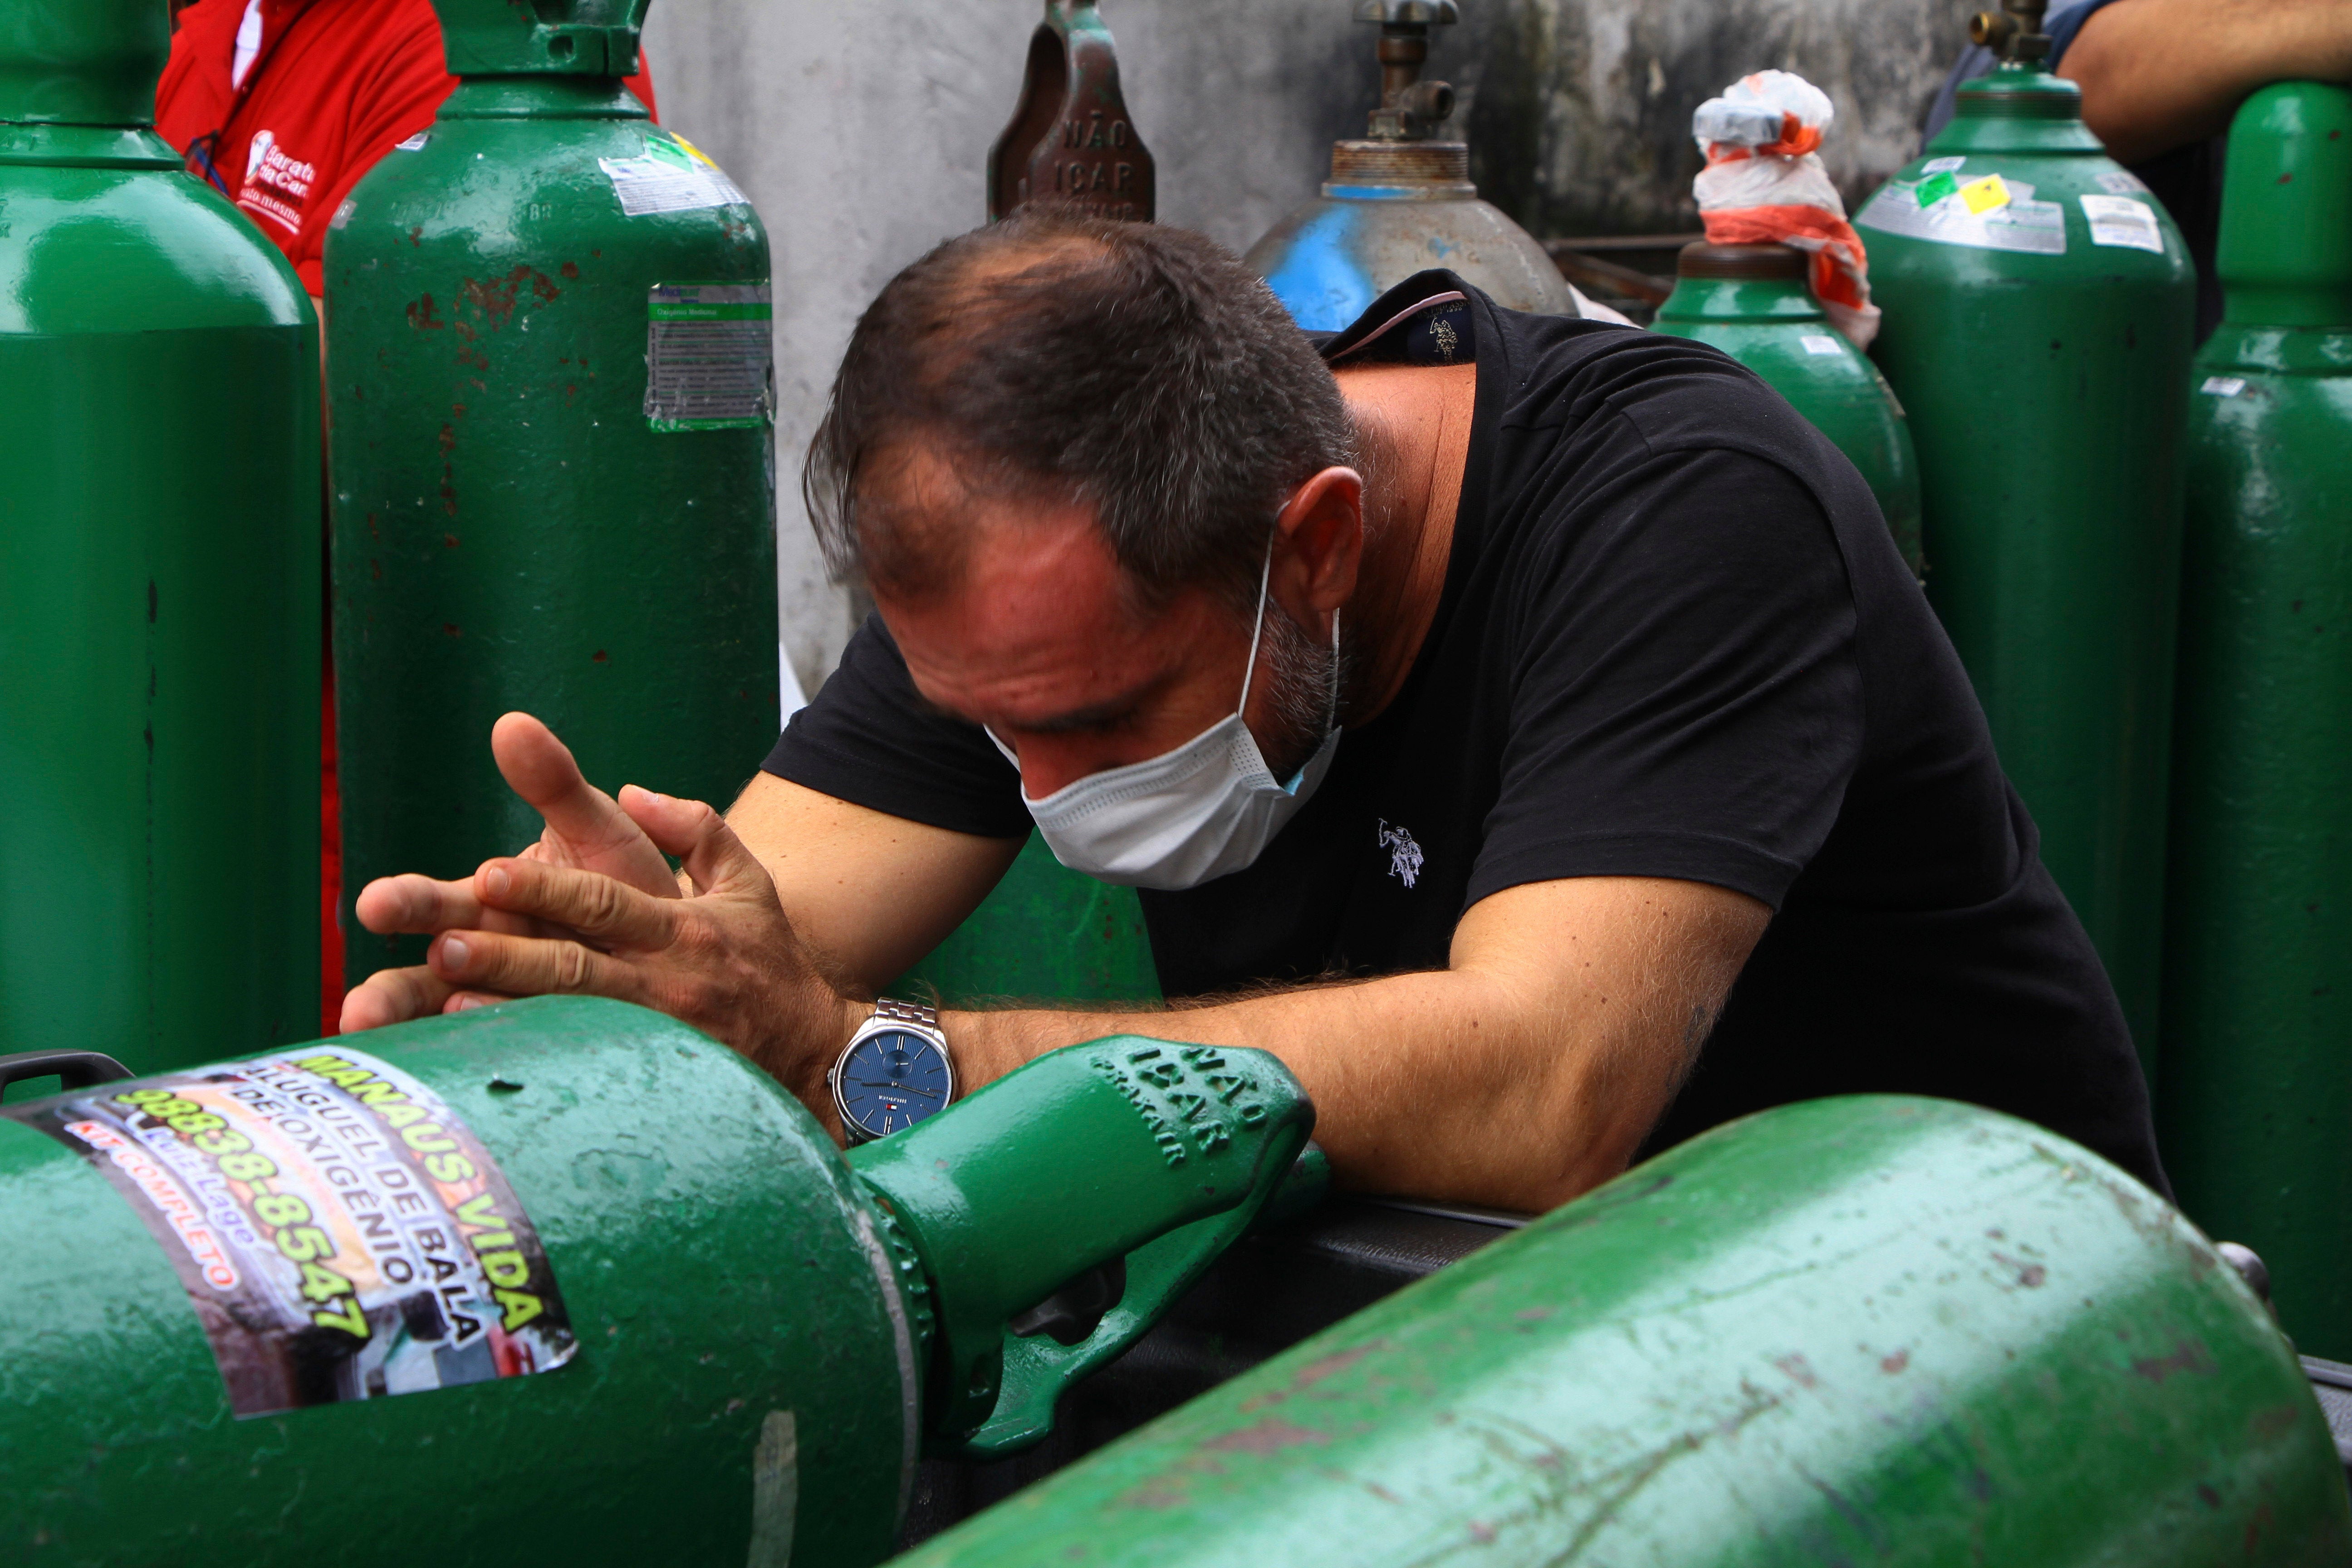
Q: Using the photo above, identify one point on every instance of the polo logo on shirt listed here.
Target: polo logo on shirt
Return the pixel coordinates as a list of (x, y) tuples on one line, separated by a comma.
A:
[(276, 186), (1404, 855)]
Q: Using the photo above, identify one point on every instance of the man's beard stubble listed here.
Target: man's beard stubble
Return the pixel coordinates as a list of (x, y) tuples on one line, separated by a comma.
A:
[(1299, 678)]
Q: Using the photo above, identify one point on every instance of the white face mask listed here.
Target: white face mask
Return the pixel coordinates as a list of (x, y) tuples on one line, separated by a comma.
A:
[(1205, 810)]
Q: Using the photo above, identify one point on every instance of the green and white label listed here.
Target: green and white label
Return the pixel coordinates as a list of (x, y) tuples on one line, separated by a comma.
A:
[(710, 356), (1988, 213)]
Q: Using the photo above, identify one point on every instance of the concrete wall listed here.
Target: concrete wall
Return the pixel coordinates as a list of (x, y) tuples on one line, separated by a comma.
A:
[(860, 129)]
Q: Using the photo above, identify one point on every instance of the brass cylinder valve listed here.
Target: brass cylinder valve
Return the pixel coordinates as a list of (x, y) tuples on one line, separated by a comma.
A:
[(1411, 110), (2013, 32)]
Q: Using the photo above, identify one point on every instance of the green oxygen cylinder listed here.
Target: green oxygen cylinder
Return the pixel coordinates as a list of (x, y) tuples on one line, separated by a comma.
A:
[(159, 572), (1045, 932), (566, 1279), (2258, 970), (1877, 1328), (2039, 313), (1754, 303), (554, 474)]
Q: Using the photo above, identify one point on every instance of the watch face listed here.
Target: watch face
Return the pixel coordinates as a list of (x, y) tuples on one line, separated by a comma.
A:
[(889, 1081)]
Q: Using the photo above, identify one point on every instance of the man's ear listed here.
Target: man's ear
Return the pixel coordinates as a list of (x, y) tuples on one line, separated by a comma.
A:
[(1318, 545)]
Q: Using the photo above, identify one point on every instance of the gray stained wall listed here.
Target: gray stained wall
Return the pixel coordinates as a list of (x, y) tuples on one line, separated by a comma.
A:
[(859, 127)]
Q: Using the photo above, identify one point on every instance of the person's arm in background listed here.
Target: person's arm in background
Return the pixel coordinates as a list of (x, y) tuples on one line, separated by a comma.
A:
[(2160, 74)]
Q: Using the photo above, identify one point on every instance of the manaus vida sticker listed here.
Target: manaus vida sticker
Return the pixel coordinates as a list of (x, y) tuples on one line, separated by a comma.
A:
[(341, 1233)]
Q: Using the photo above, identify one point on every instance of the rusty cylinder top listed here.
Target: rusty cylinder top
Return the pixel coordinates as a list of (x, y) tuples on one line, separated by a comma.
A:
[(1740, 261)]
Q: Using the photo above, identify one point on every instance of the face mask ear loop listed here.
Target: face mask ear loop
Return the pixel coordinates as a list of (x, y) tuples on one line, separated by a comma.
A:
[(1264, 578), (1331, 718)]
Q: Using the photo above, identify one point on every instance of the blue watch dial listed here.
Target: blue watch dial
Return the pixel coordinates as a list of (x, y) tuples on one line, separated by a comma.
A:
[(889, 1081)]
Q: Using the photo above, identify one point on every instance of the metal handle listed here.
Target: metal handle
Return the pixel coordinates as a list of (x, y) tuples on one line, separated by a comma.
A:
[(78, 1070)]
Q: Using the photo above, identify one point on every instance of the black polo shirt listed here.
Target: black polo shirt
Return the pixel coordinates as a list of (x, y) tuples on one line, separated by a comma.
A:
[(1675, 640)]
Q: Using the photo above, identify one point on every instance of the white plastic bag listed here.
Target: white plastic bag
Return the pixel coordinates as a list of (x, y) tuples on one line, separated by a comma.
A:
[(1763, 184)]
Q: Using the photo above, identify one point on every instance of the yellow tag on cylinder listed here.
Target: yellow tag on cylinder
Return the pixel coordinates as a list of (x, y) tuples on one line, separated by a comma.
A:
[(1984, 196)]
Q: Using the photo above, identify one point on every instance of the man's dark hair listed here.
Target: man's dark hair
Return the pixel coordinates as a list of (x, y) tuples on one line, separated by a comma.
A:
[(1141, 370)]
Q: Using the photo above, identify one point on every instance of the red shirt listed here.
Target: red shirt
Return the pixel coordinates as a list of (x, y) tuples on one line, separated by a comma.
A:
[(332, 86)]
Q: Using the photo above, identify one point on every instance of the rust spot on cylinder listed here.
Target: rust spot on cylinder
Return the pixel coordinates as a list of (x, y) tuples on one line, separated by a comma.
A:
[(570, 270), (449, 630), (598, 656), (1895, 1363), (1313, 1372), (416, 236), (495, 297), (1268, 1436), (449, 541), (2029, 1275), (424, 314), (2188, 1356)]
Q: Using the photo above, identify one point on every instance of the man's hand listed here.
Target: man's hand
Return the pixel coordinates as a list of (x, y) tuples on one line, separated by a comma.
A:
[(725, 961), (586, 829)]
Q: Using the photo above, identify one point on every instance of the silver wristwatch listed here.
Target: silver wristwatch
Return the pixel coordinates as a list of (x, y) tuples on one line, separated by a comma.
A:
[(894, 1072)]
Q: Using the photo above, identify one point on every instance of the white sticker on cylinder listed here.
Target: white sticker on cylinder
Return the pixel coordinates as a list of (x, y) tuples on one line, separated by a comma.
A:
[(2120, 220), (672, 177), (775, 1491), (1942, 165), (1819, 343), (2223, 385)]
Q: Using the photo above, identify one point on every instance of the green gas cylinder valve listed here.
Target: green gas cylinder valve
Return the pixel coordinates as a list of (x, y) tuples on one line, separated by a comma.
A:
[(1158, 1157), (499, 38)]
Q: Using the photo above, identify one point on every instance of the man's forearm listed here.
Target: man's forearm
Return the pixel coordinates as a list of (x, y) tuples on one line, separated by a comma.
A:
[(1423, 1083), (2160, 74)]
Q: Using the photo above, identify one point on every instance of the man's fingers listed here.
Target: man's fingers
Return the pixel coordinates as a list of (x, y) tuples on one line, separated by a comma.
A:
[(392, 996), (598, 907), (424, 907), (586, 826), (480, 960), (412, 903), (465, 1001), (698, 836), (541, 769)]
